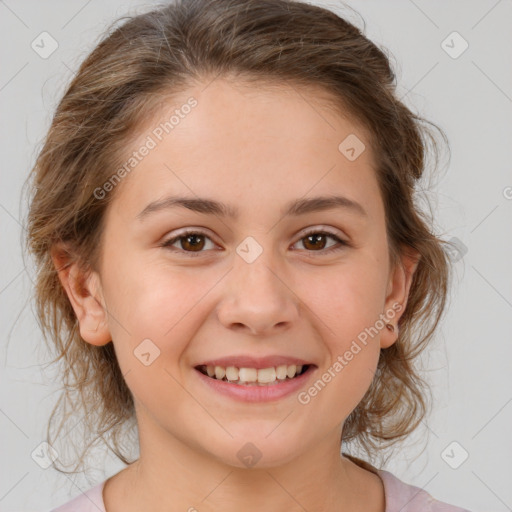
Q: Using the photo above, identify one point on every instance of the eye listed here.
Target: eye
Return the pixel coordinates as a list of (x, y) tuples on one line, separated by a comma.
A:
[(315, 241), (190, 242)]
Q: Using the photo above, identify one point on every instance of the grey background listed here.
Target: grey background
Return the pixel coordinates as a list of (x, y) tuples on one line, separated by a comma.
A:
[(470, 367)]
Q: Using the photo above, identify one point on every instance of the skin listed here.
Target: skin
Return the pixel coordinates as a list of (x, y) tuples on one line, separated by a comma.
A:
[(244, 146)]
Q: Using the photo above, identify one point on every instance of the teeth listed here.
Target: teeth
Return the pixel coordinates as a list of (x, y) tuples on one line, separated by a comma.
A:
[(220, 372), (281, 372), (252, 375), (231, 373), (249, 375), (266, 375)]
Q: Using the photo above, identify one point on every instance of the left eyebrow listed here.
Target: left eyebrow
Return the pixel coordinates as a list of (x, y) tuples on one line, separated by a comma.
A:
[(296, 207)]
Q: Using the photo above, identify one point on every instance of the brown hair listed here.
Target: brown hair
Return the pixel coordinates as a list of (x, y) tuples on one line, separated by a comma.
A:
[(119, 86)]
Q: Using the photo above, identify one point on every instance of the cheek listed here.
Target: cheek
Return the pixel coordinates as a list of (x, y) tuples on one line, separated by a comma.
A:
[(351, 384), (349, 298), (152, 320), (151, 296), (155, 302), (347, 303)]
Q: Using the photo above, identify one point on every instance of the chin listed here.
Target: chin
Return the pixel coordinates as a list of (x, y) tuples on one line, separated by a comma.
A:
[(260, 452)]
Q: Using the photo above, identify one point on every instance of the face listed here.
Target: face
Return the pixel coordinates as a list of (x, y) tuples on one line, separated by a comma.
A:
[(273, 277)]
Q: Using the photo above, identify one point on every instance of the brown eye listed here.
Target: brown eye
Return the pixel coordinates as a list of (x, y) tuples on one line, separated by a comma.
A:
[(189, 242), (315, 241), (192, 242)]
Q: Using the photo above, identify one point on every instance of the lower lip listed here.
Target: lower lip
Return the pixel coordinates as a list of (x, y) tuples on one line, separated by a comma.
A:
[(255, 393)]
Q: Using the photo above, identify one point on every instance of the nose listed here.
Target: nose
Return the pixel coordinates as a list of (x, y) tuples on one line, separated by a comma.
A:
[(257, 299)]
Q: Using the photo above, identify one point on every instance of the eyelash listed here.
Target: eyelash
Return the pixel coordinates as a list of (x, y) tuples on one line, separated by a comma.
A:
[(168, 243)]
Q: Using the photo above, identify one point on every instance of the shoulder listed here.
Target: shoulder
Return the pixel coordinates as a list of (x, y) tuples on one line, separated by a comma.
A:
[(89, 501), (404, 497)]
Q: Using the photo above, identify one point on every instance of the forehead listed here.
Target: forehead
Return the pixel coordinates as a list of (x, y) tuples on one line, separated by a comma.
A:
[(267, 143)]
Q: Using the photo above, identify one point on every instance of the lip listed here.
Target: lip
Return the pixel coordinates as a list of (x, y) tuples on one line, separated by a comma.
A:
[(255, 393), (259, 363)]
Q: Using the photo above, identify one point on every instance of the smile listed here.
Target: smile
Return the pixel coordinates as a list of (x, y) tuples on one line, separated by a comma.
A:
[(253, 376), (254, 391)]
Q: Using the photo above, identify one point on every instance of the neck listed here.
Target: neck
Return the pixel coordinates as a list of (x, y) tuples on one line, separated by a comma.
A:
[(171, 475)]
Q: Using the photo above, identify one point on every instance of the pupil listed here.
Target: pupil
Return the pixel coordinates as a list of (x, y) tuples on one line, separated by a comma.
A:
[(316, 236), (192, 240)]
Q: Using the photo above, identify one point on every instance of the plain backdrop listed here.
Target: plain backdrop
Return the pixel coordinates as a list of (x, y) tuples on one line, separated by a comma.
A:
[(462, 453)]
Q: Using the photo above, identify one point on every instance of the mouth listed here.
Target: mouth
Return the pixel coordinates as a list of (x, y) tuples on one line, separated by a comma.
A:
[(244, 376)]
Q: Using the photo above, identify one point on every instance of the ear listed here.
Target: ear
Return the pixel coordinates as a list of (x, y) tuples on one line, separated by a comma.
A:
[(85, 295), (399, 284)]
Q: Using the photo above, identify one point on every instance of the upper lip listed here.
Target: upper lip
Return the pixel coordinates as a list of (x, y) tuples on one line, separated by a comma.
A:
[(243, 361)]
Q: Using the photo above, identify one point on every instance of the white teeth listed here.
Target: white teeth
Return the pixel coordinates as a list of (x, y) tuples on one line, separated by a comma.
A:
[(266, 375), (231, 373), (281, 372), (249, 374), (220, 372), (253, 376), (291, 370)]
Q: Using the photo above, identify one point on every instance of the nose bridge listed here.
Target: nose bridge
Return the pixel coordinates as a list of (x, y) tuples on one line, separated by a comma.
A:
[(254, 263), (258, 278), (257, 296)]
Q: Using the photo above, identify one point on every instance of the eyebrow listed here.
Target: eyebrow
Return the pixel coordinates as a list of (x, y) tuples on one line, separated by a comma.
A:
[(212, 207)]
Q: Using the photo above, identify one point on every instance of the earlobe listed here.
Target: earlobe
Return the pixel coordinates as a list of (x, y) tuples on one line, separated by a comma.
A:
[(397, 294), (84, 292)]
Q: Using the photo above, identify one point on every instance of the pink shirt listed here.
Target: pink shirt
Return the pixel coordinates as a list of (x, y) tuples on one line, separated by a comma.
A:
[(400, 497)]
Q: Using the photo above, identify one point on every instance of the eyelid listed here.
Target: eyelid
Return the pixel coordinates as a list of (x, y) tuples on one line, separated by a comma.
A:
[(192, 229), (320, 228)]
